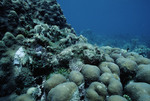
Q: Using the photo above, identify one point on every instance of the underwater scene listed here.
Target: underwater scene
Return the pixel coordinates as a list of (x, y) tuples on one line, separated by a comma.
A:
[(74, 50)]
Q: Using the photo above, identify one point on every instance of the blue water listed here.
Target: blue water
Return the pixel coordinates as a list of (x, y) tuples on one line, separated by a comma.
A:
[(110, 19)]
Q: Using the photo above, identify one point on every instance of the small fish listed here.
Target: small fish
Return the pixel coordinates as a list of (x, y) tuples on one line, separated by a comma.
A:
[(128, 49)]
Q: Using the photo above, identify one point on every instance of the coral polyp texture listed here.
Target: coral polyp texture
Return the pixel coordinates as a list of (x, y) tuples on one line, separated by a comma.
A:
[(42, 59)]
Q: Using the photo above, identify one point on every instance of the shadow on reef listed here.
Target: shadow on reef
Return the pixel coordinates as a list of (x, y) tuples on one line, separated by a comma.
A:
[(43, 60)]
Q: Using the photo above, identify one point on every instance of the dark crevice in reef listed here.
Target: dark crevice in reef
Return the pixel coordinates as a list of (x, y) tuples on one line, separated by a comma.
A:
[(126, 76), (41, 71)]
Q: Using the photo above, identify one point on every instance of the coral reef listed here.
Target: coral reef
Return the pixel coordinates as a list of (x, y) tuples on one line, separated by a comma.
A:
[(143, 73), (42, 59), (23, 15), (76, 77), (116, 98), (138, 91), (128, 41), (64, 92), (53, 81), (96, 92)]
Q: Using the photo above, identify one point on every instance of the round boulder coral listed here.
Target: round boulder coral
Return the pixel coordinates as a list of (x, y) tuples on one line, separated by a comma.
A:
[(143, 73), (126, 64), (53, 81), (109, 67), (115, 56), (20, 38), (115, 87), (142, 60), (9, 39), (64, 92), (76, 77), (90, 72), (24, 97), (96, 92), (144, 98), (108, 58), (105, 78), (116, 98), (138, 90)]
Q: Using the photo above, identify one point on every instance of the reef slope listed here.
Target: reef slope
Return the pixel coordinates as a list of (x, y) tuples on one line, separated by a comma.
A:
[(42, 59)]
